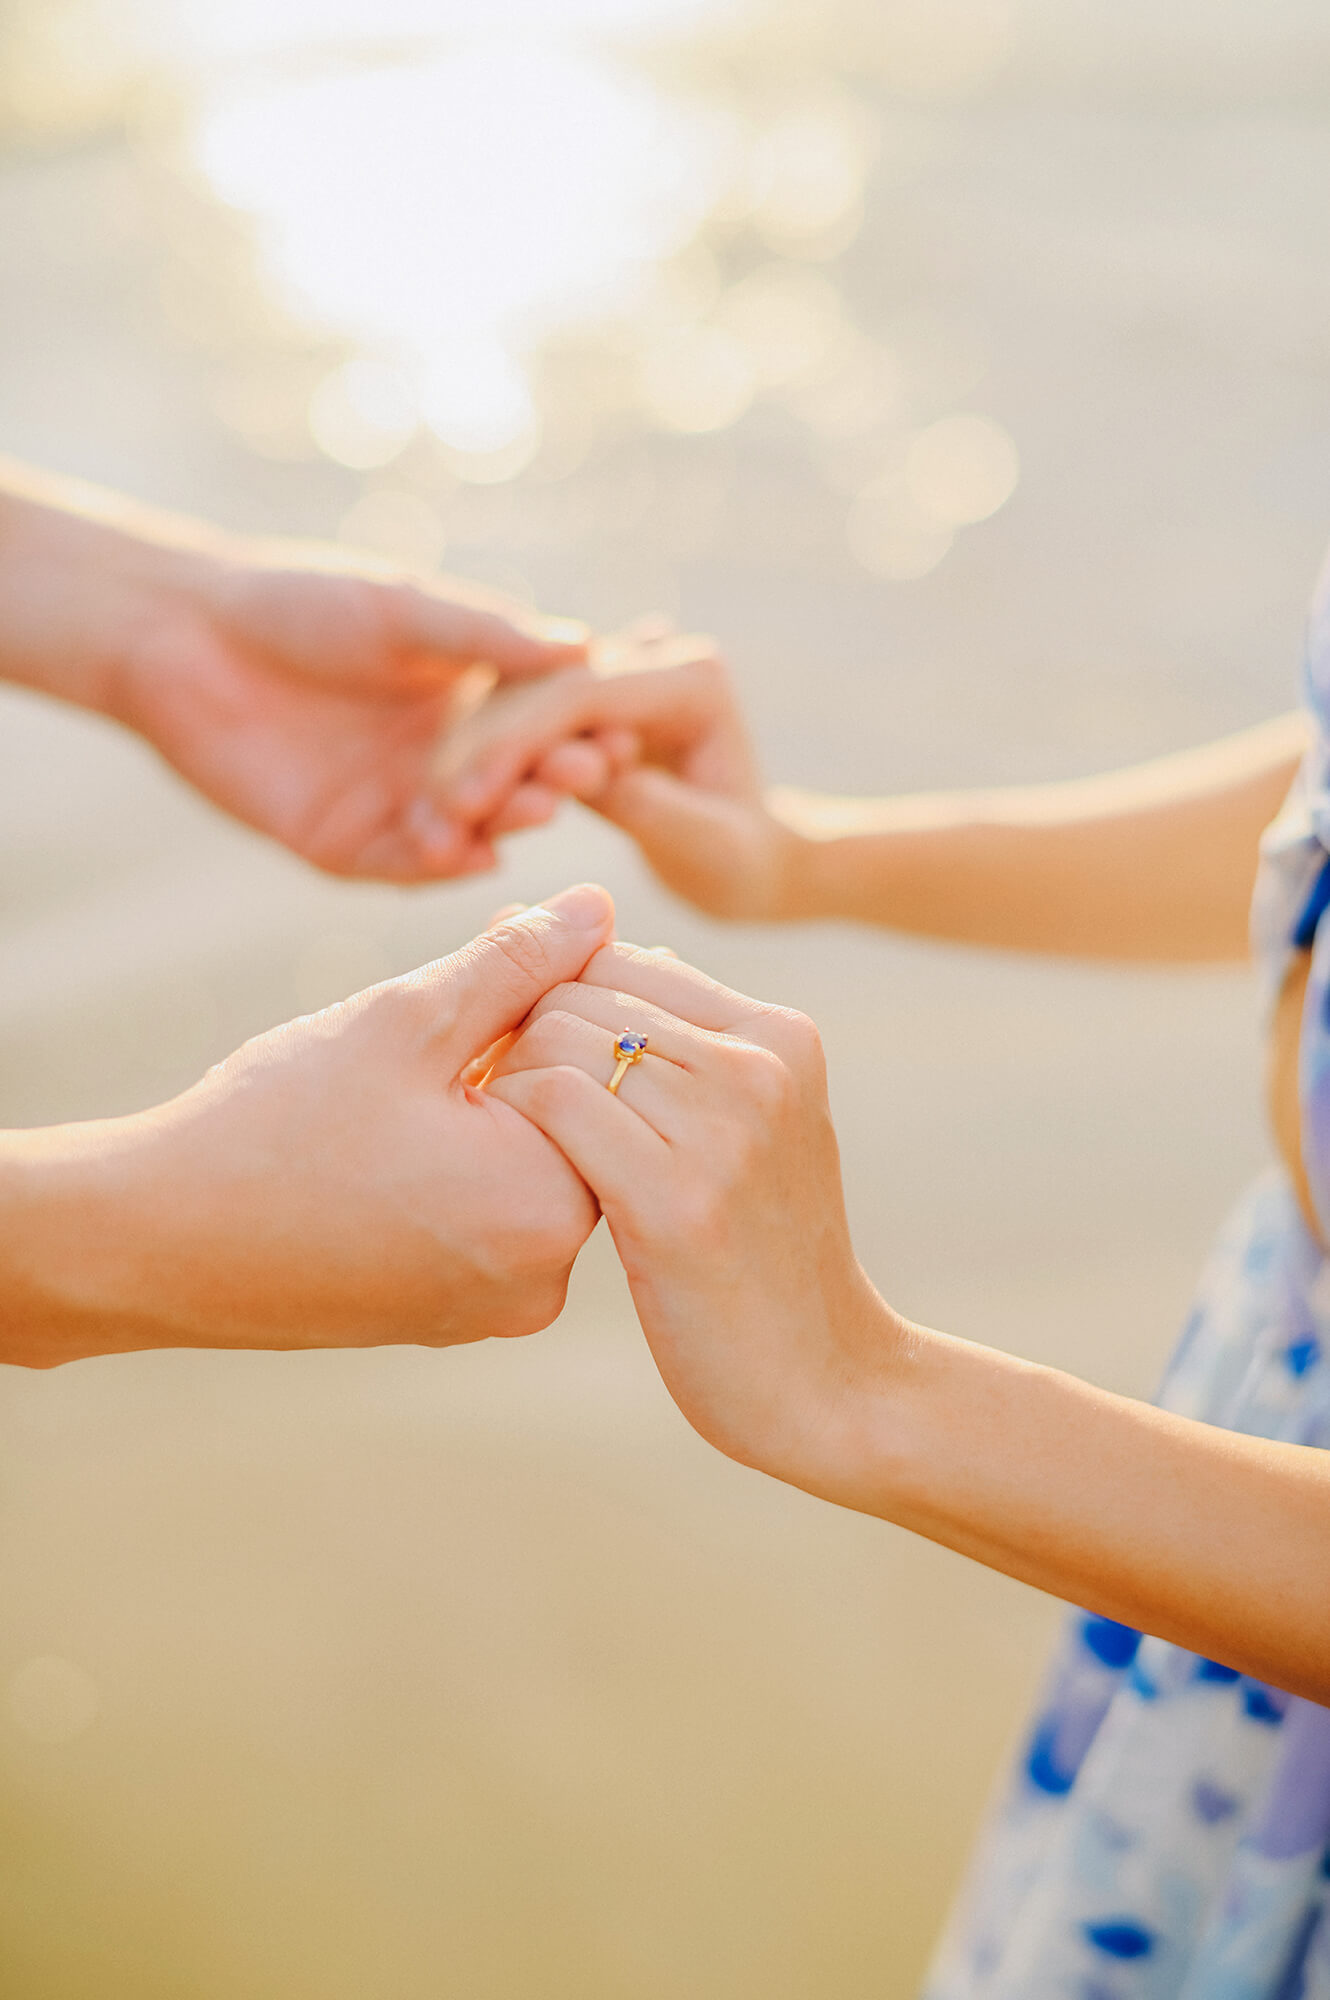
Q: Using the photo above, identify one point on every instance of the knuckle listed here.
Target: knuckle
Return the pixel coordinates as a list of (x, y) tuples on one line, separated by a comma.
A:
[(425, 997), (794, 1035), (763, 1078), (522, 951), (556, 1001), (551, 1034), (603, 965), (556, 1089)]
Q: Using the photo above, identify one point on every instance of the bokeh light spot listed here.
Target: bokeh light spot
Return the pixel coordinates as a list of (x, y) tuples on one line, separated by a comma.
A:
[(786, 317), (961, 469), (477, 400), (701, 379), (808, 175), (362, 414)]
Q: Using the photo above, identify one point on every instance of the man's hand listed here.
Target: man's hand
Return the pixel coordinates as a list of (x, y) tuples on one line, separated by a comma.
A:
[(337, 1182), (309, 702), (301, 689)]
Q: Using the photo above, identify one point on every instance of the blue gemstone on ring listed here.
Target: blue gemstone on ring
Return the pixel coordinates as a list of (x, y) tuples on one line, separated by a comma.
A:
[(629, 1045)]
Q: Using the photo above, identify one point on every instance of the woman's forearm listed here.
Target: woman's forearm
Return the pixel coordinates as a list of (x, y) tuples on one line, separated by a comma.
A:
[(1216, 1541), (1154, 863)]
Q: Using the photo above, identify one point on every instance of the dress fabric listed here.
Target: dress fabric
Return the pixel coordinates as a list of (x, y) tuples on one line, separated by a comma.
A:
[(1165, 1834)]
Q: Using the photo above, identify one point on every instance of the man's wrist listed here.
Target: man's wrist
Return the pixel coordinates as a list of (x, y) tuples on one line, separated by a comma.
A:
[(71, 1253), (82, 574)]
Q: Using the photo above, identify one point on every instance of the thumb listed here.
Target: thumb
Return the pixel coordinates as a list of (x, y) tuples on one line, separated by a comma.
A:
[(491, 984), (463, 623)]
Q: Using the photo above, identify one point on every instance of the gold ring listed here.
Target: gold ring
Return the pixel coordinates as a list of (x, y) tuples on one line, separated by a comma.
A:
[(629, 1047)]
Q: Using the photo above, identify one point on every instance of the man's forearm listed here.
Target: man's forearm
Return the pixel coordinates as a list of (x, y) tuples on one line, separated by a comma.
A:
[(1152, 863), (80, 569)]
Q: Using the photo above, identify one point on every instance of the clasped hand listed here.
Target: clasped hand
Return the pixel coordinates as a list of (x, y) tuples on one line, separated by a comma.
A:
[(716, 1166), (346, 1180)]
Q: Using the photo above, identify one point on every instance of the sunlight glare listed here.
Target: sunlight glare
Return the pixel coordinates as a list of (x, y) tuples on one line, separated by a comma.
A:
[(447, 216), (477, 399), (201, 33)]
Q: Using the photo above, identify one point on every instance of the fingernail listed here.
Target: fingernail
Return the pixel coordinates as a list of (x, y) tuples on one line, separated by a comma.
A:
[(561, 631), (588, 907)]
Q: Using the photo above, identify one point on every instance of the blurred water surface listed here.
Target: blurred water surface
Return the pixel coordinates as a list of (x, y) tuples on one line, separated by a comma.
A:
[(967, 368)]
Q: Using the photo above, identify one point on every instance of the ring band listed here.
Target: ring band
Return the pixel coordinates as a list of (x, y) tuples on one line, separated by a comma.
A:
[(629, 1048)]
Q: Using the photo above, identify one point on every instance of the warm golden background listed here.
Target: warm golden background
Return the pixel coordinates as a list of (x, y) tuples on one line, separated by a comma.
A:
[(967, 367)]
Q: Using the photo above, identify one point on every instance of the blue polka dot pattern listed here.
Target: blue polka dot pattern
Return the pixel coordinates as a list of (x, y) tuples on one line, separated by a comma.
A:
[(1167, 1832), (1264, 1704), (1042, 1767), (1116, 1645), (1211, 1803), (1301, 1355), (1120, 1937)]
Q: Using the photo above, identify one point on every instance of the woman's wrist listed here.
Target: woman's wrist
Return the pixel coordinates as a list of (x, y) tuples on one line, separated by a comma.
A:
[(793, 883), (844, 1436), (824, 852)]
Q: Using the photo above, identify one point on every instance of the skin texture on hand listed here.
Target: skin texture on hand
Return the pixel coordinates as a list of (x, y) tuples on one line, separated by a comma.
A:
[(691, 796), (1152, 863), (310, 704), (717, 1168), (302, 689), (336, 1182)]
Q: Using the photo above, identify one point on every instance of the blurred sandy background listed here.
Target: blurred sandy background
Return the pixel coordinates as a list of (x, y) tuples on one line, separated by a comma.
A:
[(405, 1675)]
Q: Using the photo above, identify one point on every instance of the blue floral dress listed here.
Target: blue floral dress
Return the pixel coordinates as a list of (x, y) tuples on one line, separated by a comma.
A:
[(1166, 1833)]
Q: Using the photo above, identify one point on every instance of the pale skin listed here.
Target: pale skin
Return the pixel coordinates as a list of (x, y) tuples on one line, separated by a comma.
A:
[(334, 1182), (1150, 864), (306, 690), (343, 1180), (716, 1167)]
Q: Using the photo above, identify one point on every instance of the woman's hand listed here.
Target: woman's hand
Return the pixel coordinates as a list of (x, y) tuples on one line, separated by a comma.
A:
[(691, 796), (300, 688), (336, 1182), (717, 1168)]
